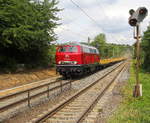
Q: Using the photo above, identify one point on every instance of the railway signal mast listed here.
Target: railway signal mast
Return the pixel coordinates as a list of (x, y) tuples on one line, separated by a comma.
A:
[(134, 20)]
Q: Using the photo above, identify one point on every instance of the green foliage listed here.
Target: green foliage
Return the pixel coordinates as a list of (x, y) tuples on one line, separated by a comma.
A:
[(145, 50), (26, 27), (52, 52), (99, 40), (100, 43), (134, 110), (108, 50)]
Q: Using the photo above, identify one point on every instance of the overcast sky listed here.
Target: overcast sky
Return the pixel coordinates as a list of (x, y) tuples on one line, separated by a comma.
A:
[(110, 16)]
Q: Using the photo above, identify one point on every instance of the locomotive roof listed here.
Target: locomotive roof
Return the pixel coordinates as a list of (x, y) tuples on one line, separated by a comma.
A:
[(79, 44)]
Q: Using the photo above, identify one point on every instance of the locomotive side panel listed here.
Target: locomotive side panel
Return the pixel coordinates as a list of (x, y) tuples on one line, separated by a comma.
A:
[(76, 59)]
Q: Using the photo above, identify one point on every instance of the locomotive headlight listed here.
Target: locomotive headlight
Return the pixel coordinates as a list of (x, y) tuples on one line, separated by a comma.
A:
[(75, 62), (59, 62)]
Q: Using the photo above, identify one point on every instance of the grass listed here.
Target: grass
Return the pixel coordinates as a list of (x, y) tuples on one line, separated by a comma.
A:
[(134, 110)]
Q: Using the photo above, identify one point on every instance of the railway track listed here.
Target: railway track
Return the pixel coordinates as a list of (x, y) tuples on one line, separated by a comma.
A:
[(76, 108), (25, 96), (12, 100), (20, 98)]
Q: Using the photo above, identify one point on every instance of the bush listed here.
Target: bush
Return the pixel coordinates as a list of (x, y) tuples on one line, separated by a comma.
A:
[(145, 50), (26, 29)]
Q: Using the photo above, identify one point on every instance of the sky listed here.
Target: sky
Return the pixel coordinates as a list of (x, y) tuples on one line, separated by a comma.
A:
[(108, 16)]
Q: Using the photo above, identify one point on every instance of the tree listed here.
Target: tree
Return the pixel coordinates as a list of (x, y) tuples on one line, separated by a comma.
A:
[(145, 49), (100, 43), (108, 50), (25, 30)]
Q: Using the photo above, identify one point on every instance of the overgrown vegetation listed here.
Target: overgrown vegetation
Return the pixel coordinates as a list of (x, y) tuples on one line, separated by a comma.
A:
[(108, 50), (26, 28), (134, 110), (146, 50)]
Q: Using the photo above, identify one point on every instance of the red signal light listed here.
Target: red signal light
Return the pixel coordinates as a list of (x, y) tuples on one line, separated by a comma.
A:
[(143, 11)]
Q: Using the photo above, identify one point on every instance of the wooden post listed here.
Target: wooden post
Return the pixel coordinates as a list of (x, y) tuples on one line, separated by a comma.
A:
[(138, 87), (61, 86), (70, 82), (47, 91), (29, 99)]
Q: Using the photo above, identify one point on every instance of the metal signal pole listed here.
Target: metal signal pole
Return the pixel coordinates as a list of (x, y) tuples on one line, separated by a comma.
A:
[(138, 87), (136, 17), (89, 40)]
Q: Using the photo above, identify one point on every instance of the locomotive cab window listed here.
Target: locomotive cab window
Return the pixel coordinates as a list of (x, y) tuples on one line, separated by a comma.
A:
[(86, 50), (68, 49), (72, 49), (62, 49), (91, 50), (97, 51)]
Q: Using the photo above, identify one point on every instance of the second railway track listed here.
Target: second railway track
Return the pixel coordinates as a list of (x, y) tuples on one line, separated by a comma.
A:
[(77, 107)]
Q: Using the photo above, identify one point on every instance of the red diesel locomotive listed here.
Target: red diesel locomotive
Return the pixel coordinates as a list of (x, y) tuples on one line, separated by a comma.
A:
[(76, 59)]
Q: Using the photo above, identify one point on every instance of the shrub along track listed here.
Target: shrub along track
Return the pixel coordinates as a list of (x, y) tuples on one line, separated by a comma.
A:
[(76, 108)]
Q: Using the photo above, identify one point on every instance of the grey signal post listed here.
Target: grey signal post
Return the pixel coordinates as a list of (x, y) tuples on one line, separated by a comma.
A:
[(138, 87), (134, 20)]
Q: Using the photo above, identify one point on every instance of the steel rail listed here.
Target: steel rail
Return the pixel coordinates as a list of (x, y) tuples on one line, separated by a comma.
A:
[(58, 107), (4, 108), (81, 118)]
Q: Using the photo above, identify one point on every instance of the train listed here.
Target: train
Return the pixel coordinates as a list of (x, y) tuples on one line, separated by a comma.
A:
[(76, 59)]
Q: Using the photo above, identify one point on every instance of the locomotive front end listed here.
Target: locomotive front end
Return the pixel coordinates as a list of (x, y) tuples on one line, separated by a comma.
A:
[(69, 60)]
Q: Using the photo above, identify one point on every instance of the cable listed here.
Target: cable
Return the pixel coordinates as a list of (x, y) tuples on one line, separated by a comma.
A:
[(87, 16), (85, 12)]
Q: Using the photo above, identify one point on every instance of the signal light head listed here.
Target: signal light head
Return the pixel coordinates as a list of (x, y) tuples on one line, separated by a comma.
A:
[(143, 11), (131, 11), (133, 22), (137, 16)]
